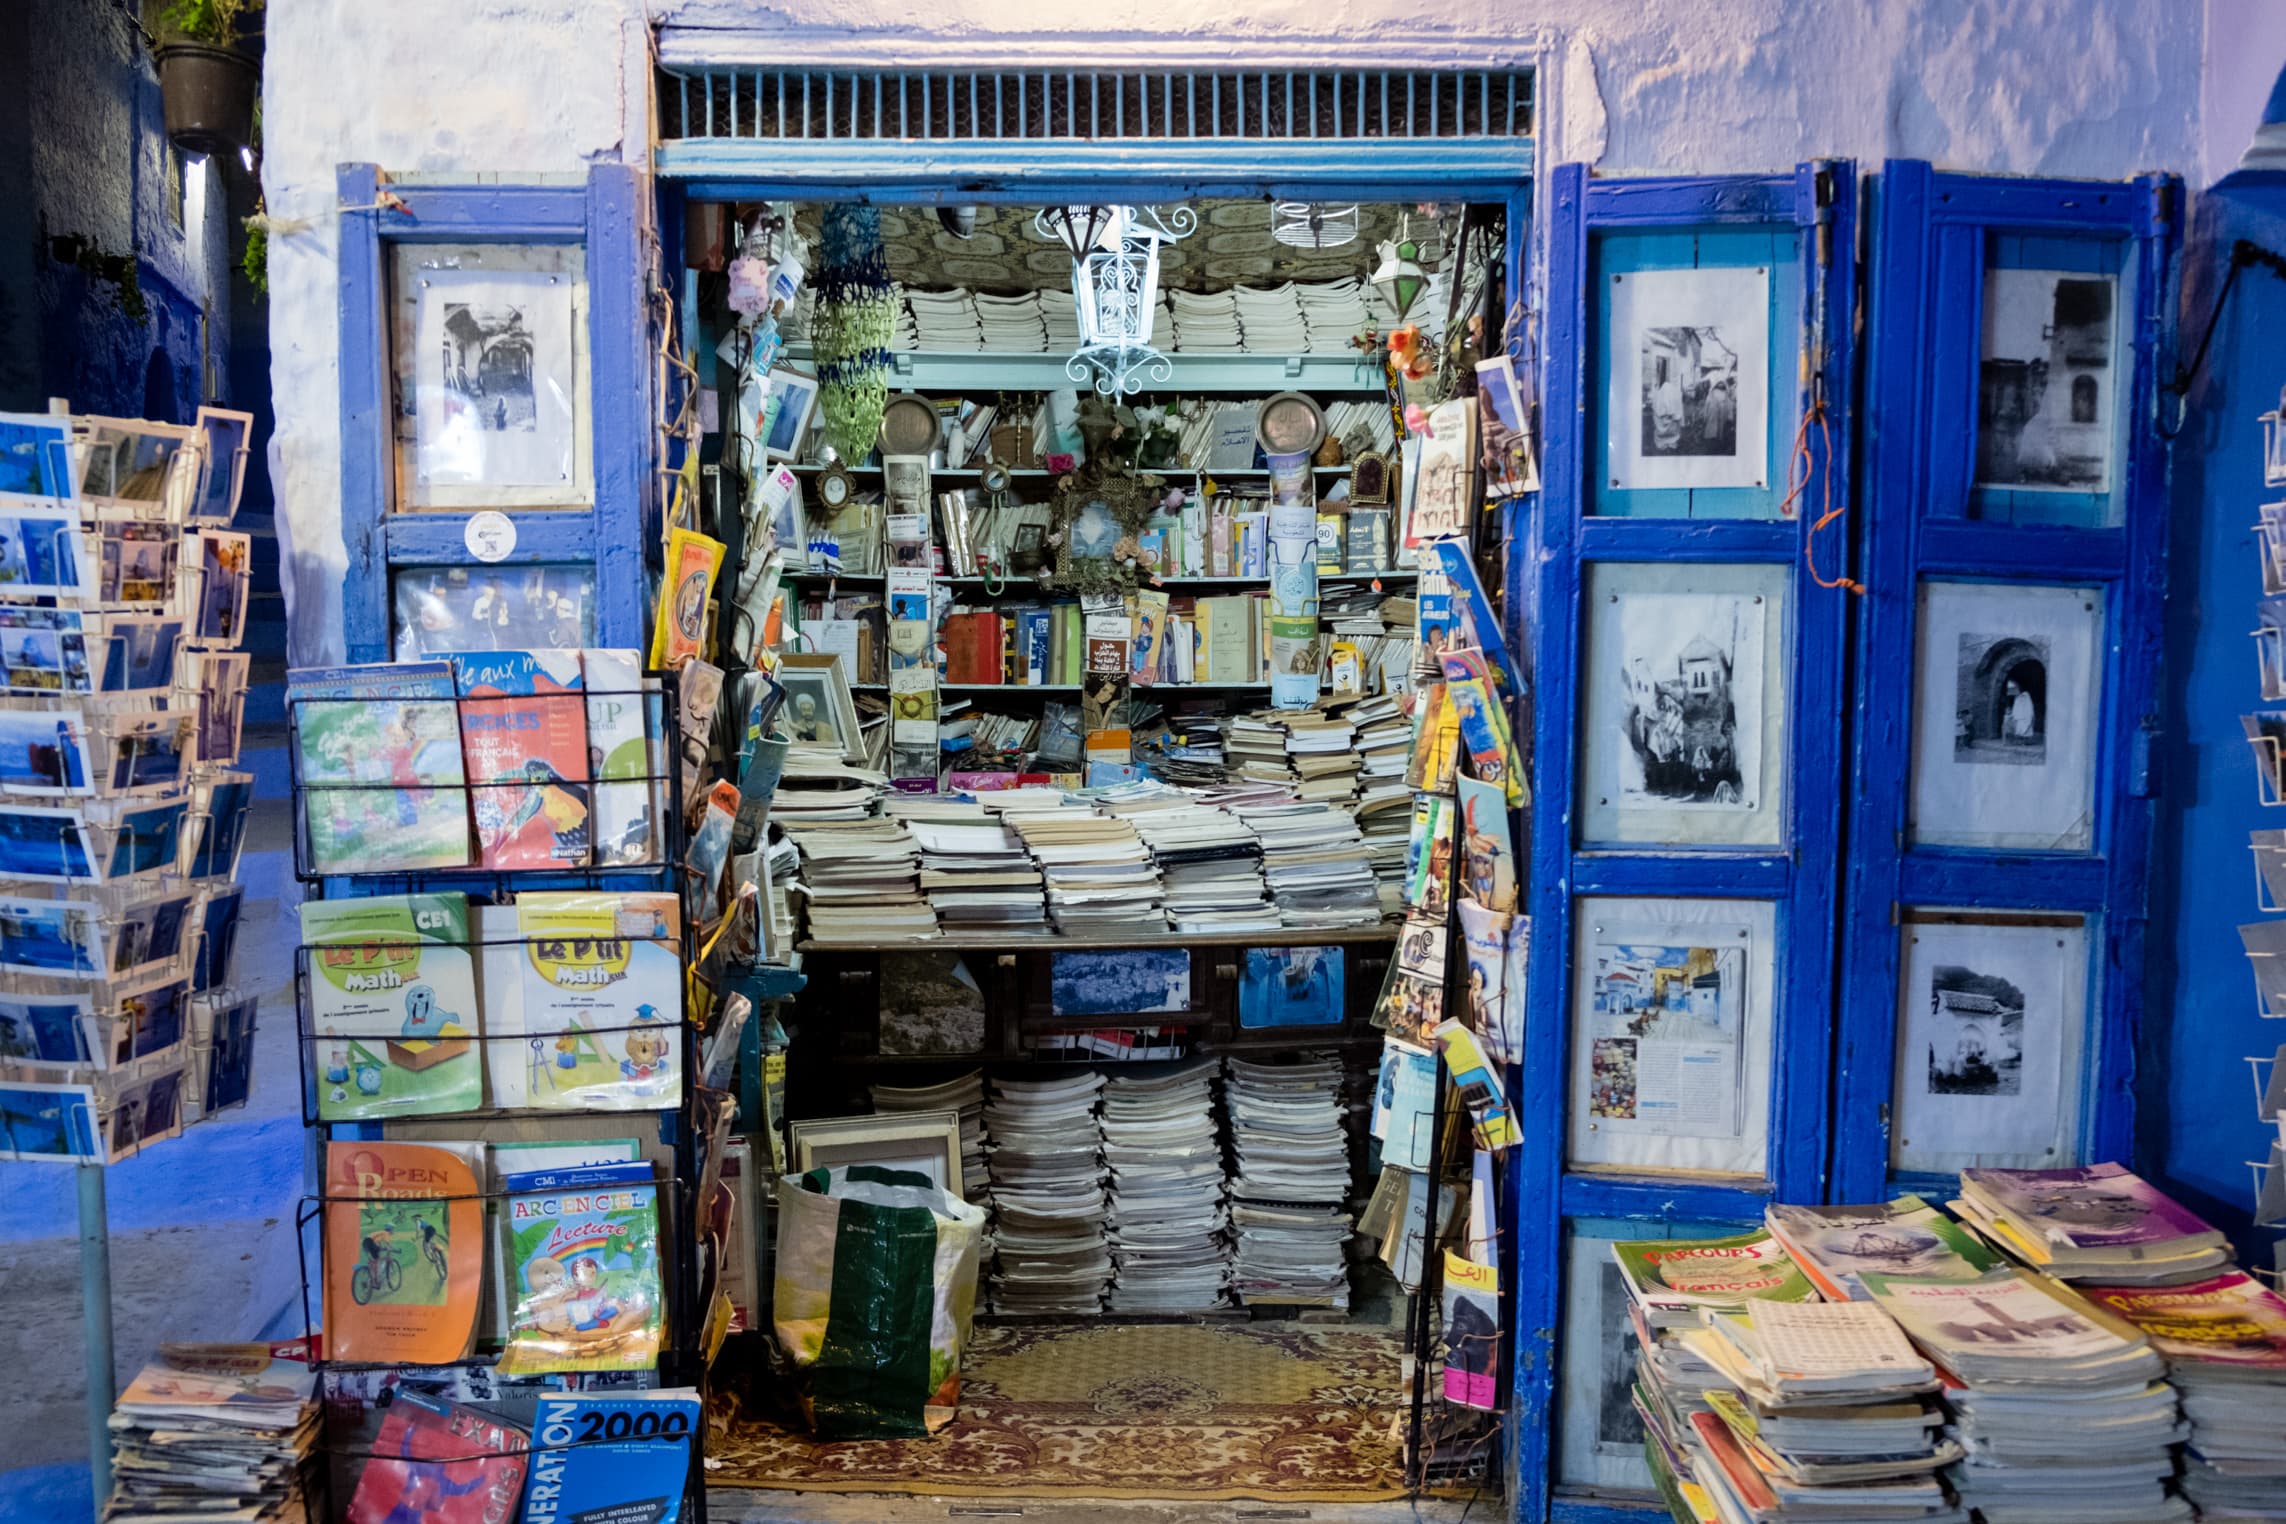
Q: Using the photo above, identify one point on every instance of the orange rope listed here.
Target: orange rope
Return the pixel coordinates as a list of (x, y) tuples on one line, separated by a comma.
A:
[(1798, 471)]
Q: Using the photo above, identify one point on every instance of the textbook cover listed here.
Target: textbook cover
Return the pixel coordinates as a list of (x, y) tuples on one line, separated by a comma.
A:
[(393, 1027), (602, 988), (611, 1456), (625, 827), (378, 760), (523, 730), (583, 1248), (404, 1251), (436, 1462)]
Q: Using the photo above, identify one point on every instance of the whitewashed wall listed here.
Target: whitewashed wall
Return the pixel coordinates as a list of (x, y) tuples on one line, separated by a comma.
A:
[(2075, 87)]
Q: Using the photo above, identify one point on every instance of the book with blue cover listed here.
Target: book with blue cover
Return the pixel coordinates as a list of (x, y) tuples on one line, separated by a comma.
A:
[(620, 1456)]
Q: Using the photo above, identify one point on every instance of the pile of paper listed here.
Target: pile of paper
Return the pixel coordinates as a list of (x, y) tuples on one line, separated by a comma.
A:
[(1012, 324), (2224, 1341), (861, 879), (2100, 1222), (817, 785), (1334, 312), (1100, 876), (964, 1095), (1167, 1211), (2063, 1411), (1209, 863), (1044, 1153), (1321, 749), (974, 870), (1317, 865), (1360, 426), (1289, 1197), (944, 321), (1270, 319), (214, 1431), (1204, 322)]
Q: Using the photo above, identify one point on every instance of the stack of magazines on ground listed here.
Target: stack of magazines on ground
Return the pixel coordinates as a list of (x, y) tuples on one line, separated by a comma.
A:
[(1167, 1209), (214, 1431), (1045, 1155), (1289, 1197)]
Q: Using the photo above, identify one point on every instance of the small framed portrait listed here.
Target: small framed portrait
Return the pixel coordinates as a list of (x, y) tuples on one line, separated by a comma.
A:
[(786, 412), (819, 712), (1369, 480), (927, 1142)]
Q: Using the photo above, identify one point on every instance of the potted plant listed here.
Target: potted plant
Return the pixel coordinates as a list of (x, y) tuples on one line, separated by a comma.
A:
[(206, 82)]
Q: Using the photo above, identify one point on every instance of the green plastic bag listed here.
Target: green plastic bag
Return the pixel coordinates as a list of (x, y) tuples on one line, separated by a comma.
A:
[(876, 1286)]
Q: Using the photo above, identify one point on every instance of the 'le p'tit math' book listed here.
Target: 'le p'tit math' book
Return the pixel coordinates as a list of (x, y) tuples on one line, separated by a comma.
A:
[(393, 1023), (378, 760), (523, 728), (404, 1251), (583, 1247), (602, 1001)]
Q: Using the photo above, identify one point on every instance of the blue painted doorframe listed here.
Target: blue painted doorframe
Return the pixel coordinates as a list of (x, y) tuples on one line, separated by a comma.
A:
[(1809, 216), (1934, 235)]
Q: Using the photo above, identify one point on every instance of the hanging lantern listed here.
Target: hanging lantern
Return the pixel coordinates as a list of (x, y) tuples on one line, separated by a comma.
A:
[(1115, 289), (1400, 278), (1314, 224)]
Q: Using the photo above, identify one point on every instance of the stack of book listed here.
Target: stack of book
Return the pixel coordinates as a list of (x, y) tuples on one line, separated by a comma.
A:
[(861, 879), (1167, 1191), (964, 1095), (974, 870), (1100, 876), (1316, 863), (2061, 1409), (1209, 862), (1044, 1151), (1289, 1197), (1836, 1245), (1800, 1410), (2224, 1341), (1320, 748), (1254, 749), (214, 1431), (817, 785), (2098, 1222)]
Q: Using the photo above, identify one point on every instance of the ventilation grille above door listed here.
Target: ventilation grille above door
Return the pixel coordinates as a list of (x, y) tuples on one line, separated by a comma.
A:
[(995, 106)]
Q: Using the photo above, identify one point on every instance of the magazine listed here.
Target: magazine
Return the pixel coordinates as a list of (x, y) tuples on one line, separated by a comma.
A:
[(2096, 1206), (620, 701), (377, 753), (584, 1267), (436, 1462), (1999, 1326), (1488, 859), (1672, 1279), (609, 1469), (404, 1251), (190, 1381), (1835, 1245), (523, 723), (392, 1019), (1472, 1333), (602, 1001), (2229, 1325)]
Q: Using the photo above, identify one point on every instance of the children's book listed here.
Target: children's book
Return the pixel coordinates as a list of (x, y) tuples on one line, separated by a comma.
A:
[(523, 731), (601, 1001), (583, 1248), (619, 700), (393, 1021), (404, 1251), (377, 749), (610, 1456), (518, 1159), (437, 1462)]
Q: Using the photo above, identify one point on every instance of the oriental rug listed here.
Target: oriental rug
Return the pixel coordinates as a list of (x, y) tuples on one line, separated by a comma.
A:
[(1266, 1412)]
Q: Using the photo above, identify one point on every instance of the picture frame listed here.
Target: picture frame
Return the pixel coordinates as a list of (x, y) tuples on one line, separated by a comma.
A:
[(2049, 381), (1690, 377), (820, 712), (927, 1141), (1369, 480), (441, 610), (786, 412)]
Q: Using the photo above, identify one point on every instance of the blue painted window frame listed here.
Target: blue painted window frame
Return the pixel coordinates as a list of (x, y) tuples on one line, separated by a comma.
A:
[(608, 215), (1931, 231), (1800, 874)]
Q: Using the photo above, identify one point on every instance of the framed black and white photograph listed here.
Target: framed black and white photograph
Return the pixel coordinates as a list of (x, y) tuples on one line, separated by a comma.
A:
[(2009, 695), (2046, 410), (452, 609), (1684, 703), (1690, 378), (820, 713), (491, 367), (1600, 1438), (1989, 1035)]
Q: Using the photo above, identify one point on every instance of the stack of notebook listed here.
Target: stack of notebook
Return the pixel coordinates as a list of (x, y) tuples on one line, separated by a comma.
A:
[(974, 870), (1100, 877), (2099, 1222), (1254, 750), (1044, 1152), (1316, 863), (861, 880), (214, 1431), (1209, 863), (1289, 1197), (817, 786), (964, 1095), (1320, 749), (1167, 1209)]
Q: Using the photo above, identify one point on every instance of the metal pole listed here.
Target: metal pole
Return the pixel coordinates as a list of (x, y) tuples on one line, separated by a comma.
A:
[(95, 1321)]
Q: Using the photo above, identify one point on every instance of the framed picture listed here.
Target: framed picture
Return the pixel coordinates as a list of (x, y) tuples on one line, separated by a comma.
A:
[(453, 609), (2009, 690), (1689, 397), (786, 412), (1291, 987), (2048, 381), (1685, 697), (1671, 1034), (819, 711), (1600, 1438), (1141, 982), (1991, 1022), (35, 457), (1369, 480), (927, 1141), (222, 473)]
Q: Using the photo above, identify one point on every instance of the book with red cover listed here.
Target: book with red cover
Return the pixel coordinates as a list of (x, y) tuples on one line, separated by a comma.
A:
[(1723, 1445), (973, 647), (2226, 1323), (440, 1463), (523, 734)]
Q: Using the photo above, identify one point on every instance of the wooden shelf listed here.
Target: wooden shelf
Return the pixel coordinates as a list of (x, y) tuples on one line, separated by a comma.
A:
[(1013, 584), (983, 370), (1018, 942)]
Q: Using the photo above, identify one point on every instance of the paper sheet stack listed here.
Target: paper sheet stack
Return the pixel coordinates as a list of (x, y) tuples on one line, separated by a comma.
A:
[(1316, 862), (1167, 1190), (1270, 319), (1012, 324), (1204, 322), (1044, 1152), (944, 321), (1334, 312), (974, 870), (861, 879), (221, 1431), (1289, 1198), (1209, 862), (1100, 877)]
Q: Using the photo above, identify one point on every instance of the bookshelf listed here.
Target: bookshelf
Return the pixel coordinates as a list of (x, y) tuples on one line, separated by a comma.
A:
[(990, 370)]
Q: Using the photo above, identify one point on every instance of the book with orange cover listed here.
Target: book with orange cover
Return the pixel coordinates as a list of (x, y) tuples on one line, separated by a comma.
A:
[(1739, 1471), (972, 647), (404, 1251)]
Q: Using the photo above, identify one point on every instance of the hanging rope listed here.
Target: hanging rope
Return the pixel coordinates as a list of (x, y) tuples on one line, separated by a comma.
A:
[(1798, 472)]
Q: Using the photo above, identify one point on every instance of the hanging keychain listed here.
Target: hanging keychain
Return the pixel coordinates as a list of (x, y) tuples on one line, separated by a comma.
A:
[(992, 565)]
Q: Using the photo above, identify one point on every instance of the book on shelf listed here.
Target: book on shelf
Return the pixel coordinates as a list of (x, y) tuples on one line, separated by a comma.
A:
[(523, 723), (973, 642), (393, 1022), (403, 1251)]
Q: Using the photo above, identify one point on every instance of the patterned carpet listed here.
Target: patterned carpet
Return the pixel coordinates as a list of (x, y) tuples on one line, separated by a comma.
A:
[(1273, 1413)]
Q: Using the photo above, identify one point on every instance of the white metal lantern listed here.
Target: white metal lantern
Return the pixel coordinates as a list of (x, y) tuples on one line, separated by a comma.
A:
[(1115, 289), (1314, 224)]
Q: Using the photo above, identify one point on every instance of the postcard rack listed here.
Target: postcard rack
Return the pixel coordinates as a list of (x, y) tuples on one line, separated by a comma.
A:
[(487, 1087)]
